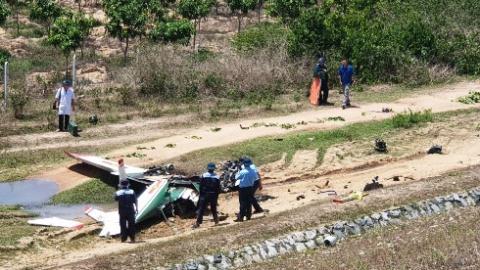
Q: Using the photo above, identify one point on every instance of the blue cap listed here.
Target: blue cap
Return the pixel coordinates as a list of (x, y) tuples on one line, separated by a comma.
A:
[(67, 82), (211, 166), (124, 183), (247, 161)]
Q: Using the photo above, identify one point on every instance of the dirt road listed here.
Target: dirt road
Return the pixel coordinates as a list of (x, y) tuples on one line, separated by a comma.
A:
[(185, 140)]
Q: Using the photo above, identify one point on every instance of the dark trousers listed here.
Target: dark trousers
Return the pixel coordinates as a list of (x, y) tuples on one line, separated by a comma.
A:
[(203, 201), (127, 225), (63, 120), (324, 92), (255, 204), (245, 196)]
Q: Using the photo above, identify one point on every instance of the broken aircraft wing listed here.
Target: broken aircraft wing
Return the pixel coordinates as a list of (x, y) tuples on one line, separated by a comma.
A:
[(106, 165)]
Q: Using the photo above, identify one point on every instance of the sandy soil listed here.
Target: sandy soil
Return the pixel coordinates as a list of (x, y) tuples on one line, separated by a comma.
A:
[(347, 167), (187, 140)]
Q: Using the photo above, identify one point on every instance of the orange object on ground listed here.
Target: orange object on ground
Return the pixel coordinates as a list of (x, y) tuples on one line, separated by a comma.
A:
[(315, 91)]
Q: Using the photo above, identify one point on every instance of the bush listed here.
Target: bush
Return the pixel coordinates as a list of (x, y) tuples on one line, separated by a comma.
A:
[(4, 57), (260, 36), (172, 32), (407, 120), (18, 100)]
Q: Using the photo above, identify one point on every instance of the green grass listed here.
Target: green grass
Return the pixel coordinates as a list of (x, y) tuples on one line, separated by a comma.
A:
[(13, 225), (269, 149), (93, 191)]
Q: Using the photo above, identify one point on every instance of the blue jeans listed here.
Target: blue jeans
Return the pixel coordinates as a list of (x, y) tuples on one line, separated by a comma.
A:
[(346, 94)]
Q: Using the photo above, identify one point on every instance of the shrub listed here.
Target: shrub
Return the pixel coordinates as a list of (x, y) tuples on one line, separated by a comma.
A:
[(18, 100), (172, 32), (260, 36), (4, 56), (407, 120)]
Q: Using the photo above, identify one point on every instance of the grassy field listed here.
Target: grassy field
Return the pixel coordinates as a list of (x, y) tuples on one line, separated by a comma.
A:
[(449, 241), (92, 191), (13, 225), (268, 149)]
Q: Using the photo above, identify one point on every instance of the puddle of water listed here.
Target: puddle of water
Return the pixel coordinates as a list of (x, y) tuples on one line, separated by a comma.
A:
[(34, 196), (27, 192)]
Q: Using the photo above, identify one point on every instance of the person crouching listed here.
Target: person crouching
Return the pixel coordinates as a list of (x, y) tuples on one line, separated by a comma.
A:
[(127, 209), (209, 190)]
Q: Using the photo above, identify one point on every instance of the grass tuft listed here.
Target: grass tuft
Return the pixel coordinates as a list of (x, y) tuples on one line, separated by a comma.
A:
[(93, 191), (407, 120)]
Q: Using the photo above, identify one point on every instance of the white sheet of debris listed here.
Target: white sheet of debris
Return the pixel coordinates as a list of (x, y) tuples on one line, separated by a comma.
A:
[(56, 222)]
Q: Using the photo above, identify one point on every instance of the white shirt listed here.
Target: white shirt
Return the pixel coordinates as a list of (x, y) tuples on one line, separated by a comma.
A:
[(66, 99)]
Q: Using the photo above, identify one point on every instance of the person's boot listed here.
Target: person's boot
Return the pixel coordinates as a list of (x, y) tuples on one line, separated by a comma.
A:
[(215, 220)]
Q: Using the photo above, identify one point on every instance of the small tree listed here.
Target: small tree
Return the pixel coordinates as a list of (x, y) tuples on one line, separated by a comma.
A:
[(15, 6), (4, 12), (66, 34), (195, 10), (45, 11), (288, 10), (127, 19), (173, 32), (241, 8)]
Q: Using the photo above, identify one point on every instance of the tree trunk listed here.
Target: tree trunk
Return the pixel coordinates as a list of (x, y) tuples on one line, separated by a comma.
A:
[(239, 17), (66, 66), (17, 19), (199, 24), (79, 6), (260, 5), (125, 52), (194, 33)]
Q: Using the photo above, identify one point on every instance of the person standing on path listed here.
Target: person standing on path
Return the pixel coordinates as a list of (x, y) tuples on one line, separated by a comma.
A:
[(65, 102), (209, 190), (127, 209), (345, 75), (257, 185), (246, 177), (321, 73)]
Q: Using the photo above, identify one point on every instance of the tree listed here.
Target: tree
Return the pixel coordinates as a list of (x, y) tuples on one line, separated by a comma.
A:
[(195, 10), (288, 10), (4, 12), (173, 32), (15, 4), (45, 11), (68, 33), (128, 19), (241, 8)]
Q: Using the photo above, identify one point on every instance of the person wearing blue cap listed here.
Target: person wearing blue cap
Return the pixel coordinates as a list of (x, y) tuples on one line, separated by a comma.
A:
[(65, 104), (127, 209), (246, 177), (209, 190)]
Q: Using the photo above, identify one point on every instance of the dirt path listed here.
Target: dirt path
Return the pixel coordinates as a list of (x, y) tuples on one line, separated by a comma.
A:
[(186, 140)]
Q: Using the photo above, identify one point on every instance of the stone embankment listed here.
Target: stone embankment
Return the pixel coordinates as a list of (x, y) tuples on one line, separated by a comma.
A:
[(329, 235)]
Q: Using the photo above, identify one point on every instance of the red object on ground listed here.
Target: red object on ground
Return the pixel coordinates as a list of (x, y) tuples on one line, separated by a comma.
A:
[(315, 91)]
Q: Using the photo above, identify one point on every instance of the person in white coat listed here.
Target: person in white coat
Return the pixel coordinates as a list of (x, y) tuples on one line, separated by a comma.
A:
[(65, 102)]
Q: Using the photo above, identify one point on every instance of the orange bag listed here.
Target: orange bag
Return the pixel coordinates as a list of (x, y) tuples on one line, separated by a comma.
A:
[(315, 91)]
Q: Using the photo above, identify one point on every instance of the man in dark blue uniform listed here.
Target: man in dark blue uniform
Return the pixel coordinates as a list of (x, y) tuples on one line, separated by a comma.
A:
[(127, 209), (209, 190)]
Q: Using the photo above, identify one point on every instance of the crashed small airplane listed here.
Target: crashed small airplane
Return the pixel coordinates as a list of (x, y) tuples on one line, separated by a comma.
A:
[(178, 193)]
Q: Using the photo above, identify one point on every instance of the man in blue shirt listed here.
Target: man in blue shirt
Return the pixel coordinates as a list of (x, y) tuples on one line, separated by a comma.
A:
[(246, 177), (345, 75), (209, 190), (257, 185), (127, 208)]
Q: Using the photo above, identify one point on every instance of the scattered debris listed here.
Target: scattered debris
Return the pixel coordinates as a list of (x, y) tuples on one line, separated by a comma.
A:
[(302, 123), (288, 190), (336, 118), (262, 197), (345, 187), (278, 139), (358, 195), (93, 120), (153, 148), (242, 127), (170, 145), (271, 125), (330, 192), (216, 129), (56, 222), (141, 148), (435, 149), (287, 126), (311, 139), (373, 185), (396, 178), (387, 110), (136, 155), (380, 145), (166, 169), (300, 197)]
